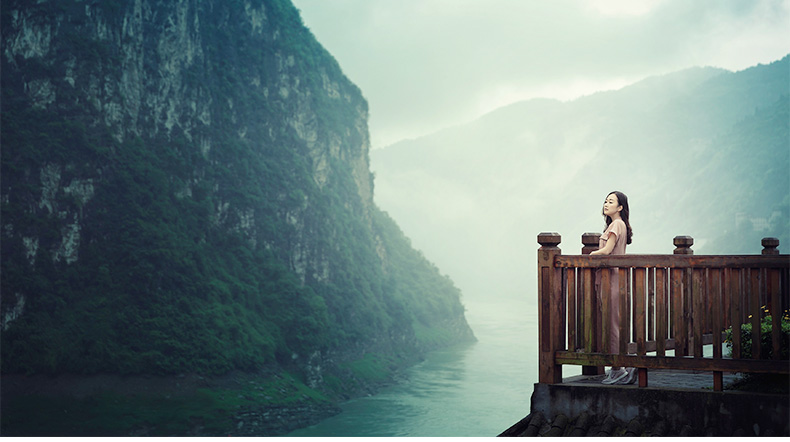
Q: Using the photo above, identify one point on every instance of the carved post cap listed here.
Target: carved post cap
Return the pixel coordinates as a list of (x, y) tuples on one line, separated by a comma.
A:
[(770, 246), (591, 238), (549, 239), (590, 242), (683, 245)]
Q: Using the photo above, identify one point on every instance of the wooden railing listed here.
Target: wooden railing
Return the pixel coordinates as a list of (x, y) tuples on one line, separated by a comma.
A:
[(678, 303)]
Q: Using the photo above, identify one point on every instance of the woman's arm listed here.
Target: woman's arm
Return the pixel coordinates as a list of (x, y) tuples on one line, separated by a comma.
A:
[(608, 247)]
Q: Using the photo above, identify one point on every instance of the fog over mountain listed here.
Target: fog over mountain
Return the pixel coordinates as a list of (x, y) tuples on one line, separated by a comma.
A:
[(424, 65), (701, 152)]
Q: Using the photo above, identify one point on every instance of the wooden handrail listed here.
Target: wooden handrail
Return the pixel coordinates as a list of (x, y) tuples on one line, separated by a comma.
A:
[(677, 302), (672, 261)]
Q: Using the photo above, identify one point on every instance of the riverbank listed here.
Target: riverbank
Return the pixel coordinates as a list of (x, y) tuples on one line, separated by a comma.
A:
[(271, 402), (237, 404)]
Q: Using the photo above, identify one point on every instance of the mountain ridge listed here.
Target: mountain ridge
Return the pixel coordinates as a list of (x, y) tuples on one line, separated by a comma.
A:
[(521, 173)]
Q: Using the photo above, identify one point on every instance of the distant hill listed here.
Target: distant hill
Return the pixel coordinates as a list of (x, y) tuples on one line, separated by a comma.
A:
[(702, 152)]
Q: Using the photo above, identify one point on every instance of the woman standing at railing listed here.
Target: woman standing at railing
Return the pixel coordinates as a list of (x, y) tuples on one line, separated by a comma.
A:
[(613, 241)]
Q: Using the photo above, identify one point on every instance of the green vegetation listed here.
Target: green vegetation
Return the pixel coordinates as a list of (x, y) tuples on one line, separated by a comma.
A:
[(191, 411), (110, 414), (766, 337), (763, 382)]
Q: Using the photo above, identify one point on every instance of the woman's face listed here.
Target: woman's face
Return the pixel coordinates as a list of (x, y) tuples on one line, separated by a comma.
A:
[(611, 205)]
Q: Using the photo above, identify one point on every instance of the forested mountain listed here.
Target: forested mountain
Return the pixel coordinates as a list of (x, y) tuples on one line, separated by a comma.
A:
[(186, 190), (702, 152)]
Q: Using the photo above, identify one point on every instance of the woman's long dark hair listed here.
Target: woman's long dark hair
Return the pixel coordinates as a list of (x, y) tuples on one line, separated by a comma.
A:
[(622, 200)]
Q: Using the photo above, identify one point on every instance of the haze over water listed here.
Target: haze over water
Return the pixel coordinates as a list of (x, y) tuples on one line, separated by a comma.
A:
[(479, 389)]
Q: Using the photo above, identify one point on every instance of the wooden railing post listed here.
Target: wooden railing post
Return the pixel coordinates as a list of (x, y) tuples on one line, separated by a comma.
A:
[(679, 297), (590, 241), (770, 246), (774, 298), (683, 245), (550, 309)]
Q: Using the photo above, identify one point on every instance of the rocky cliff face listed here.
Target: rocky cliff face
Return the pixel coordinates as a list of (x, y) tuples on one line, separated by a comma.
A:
[(143, 69), (186, 187)]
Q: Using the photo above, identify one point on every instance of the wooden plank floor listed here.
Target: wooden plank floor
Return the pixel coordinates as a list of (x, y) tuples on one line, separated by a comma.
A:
[(687, 379)]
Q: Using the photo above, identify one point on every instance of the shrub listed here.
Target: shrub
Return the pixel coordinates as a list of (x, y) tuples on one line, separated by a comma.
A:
[(766, 339)]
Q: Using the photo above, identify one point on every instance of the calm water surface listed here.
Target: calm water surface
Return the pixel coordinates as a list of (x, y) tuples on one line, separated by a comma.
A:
[(479, 389)]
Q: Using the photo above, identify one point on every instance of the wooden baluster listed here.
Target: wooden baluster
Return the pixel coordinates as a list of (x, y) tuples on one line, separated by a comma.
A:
[(573, 338), (745, 296), (753, 291), (661, 311), (631, 316), (773, 293), (682, 279), (733, 288), (785, 288), (651, 304), (714, 285), (561, 312), (765, 297), (549, 315), (776, 313), (679, 329), (697, 321), (770, 247), (774, 290), (639, 310), (589, 311), (672, 326), (688, 310), (707, 303), (726, 300)]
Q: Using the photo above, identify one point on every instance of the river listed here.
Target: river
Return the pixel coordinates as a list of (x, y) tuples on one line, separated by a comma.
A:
[(477, 389)]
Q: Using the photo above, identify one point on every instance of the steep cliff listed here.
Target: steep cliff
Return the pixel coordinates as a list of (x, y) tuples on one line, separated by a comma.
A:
[(186, 189)]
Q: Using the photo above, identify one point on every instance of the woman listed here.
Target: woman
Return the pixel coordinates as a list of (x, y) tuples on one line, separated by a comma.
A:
[(613, 241)]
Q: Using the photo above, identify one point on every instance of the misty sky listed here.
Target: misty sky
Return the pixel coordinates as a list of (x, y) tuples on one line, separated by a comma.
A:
[(427, 64)]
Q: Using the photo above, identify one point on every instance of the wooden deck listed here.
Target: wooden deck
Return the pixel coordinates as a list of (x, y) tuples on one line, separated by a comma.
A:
[(675, 310), (678, 302), (670, 379)]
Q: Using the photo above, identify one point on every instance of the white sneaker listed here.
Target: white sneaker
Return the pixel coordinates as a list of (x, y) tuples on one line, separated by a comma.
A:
[(615, 375), (629, 379)]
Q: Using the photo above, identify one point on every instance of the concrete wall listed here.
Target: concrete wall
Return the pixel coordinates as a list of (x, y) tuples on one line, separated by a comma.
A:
[(727, 411)]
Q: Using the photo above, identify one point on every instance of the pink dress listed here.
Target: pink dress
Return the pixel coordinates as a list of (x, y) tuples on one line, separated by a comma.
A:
[(617, 228)]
